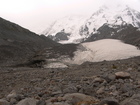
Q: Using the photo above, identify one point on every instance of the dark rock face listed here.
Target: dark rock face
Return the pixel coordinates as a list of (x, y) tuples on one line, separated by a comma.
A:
[(126, 33), (60, 36), (18, 44)]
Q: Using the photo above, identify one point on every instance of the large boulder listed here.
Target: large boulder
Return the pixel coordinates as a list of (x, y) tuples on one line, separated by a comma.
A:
[(14, 95), (122, 75), (73, 99), (134, 100), (109, 101), (4, 102), (79, 99)]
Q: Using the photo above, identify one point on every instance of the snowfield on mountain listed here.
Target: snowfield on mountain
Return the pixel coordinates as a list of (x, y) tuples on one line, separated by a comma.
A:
[(68, 24), (106, 49), (81, 27), (113, 16)]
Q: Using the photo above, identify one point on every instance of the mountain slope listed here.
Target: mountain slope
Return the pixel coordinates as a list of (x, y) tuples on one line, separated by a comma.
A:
[(113, 16), (121, 23), (127, 34), (68, 25), (18, 44), (110, 19)]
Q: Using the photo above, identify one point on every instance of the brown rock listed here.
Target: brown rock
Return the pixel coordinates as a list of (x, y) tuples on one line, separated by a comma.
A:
[(27, 101), (101, 90), (4, 102), (134, 100), (97, 79), (77, 98), (122, 75)]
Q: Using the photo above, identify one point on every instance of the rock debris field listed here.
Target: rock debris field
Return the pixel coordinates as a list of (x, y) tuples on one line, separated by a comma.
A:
[(102, 83)]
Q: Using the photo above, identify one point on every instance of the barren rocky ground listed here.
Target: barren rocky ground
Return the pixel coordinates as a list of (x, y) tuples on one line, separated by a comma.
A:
[(107, 82)]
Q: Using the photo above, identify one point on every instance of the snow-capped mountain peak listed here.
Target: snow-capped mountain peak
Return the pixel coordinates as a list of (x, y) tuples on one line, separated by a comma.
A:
[(119, 15), (80, 27), (70, 24)]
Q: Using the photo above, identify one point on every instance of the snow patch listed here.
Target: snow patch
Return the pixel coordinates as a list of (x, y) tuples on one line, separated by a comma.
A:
[(138, 29), (70, 24), (55, 65)]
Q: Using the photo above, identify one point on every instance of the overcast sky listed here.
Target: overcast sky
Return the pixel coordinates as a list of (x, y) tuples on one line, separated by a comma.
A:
[(35, 15)]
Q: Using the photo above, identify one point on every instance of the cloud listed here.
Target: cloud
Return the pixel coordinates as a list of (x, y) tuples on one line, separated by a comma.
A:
[(36, 14)]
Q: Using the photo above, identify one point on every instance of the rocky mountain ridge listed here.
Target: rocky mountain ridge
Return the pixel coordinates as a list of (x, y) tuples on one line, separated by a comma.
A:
[(114, 17), (17, 44), (69, 25)]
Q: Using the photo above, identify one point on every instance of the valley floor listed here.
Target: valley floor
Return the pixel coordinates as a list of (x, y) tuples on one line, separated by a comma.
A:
[(99, 80)]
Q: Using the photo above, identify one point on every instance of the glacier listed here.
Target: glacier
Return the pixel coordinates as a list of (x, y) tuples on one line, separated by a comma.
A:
[(106, 49)]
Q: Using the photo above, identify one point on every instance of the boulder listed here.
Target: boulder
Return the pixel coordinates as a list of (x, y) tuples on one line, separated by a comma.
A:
[(41, 102), (100, 90), (109, 77), (27, 101), (109, 101), (72, 99), (122, 75), (14, 95), (79, 99), (97, 79), (4, 102), (134, 100)]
